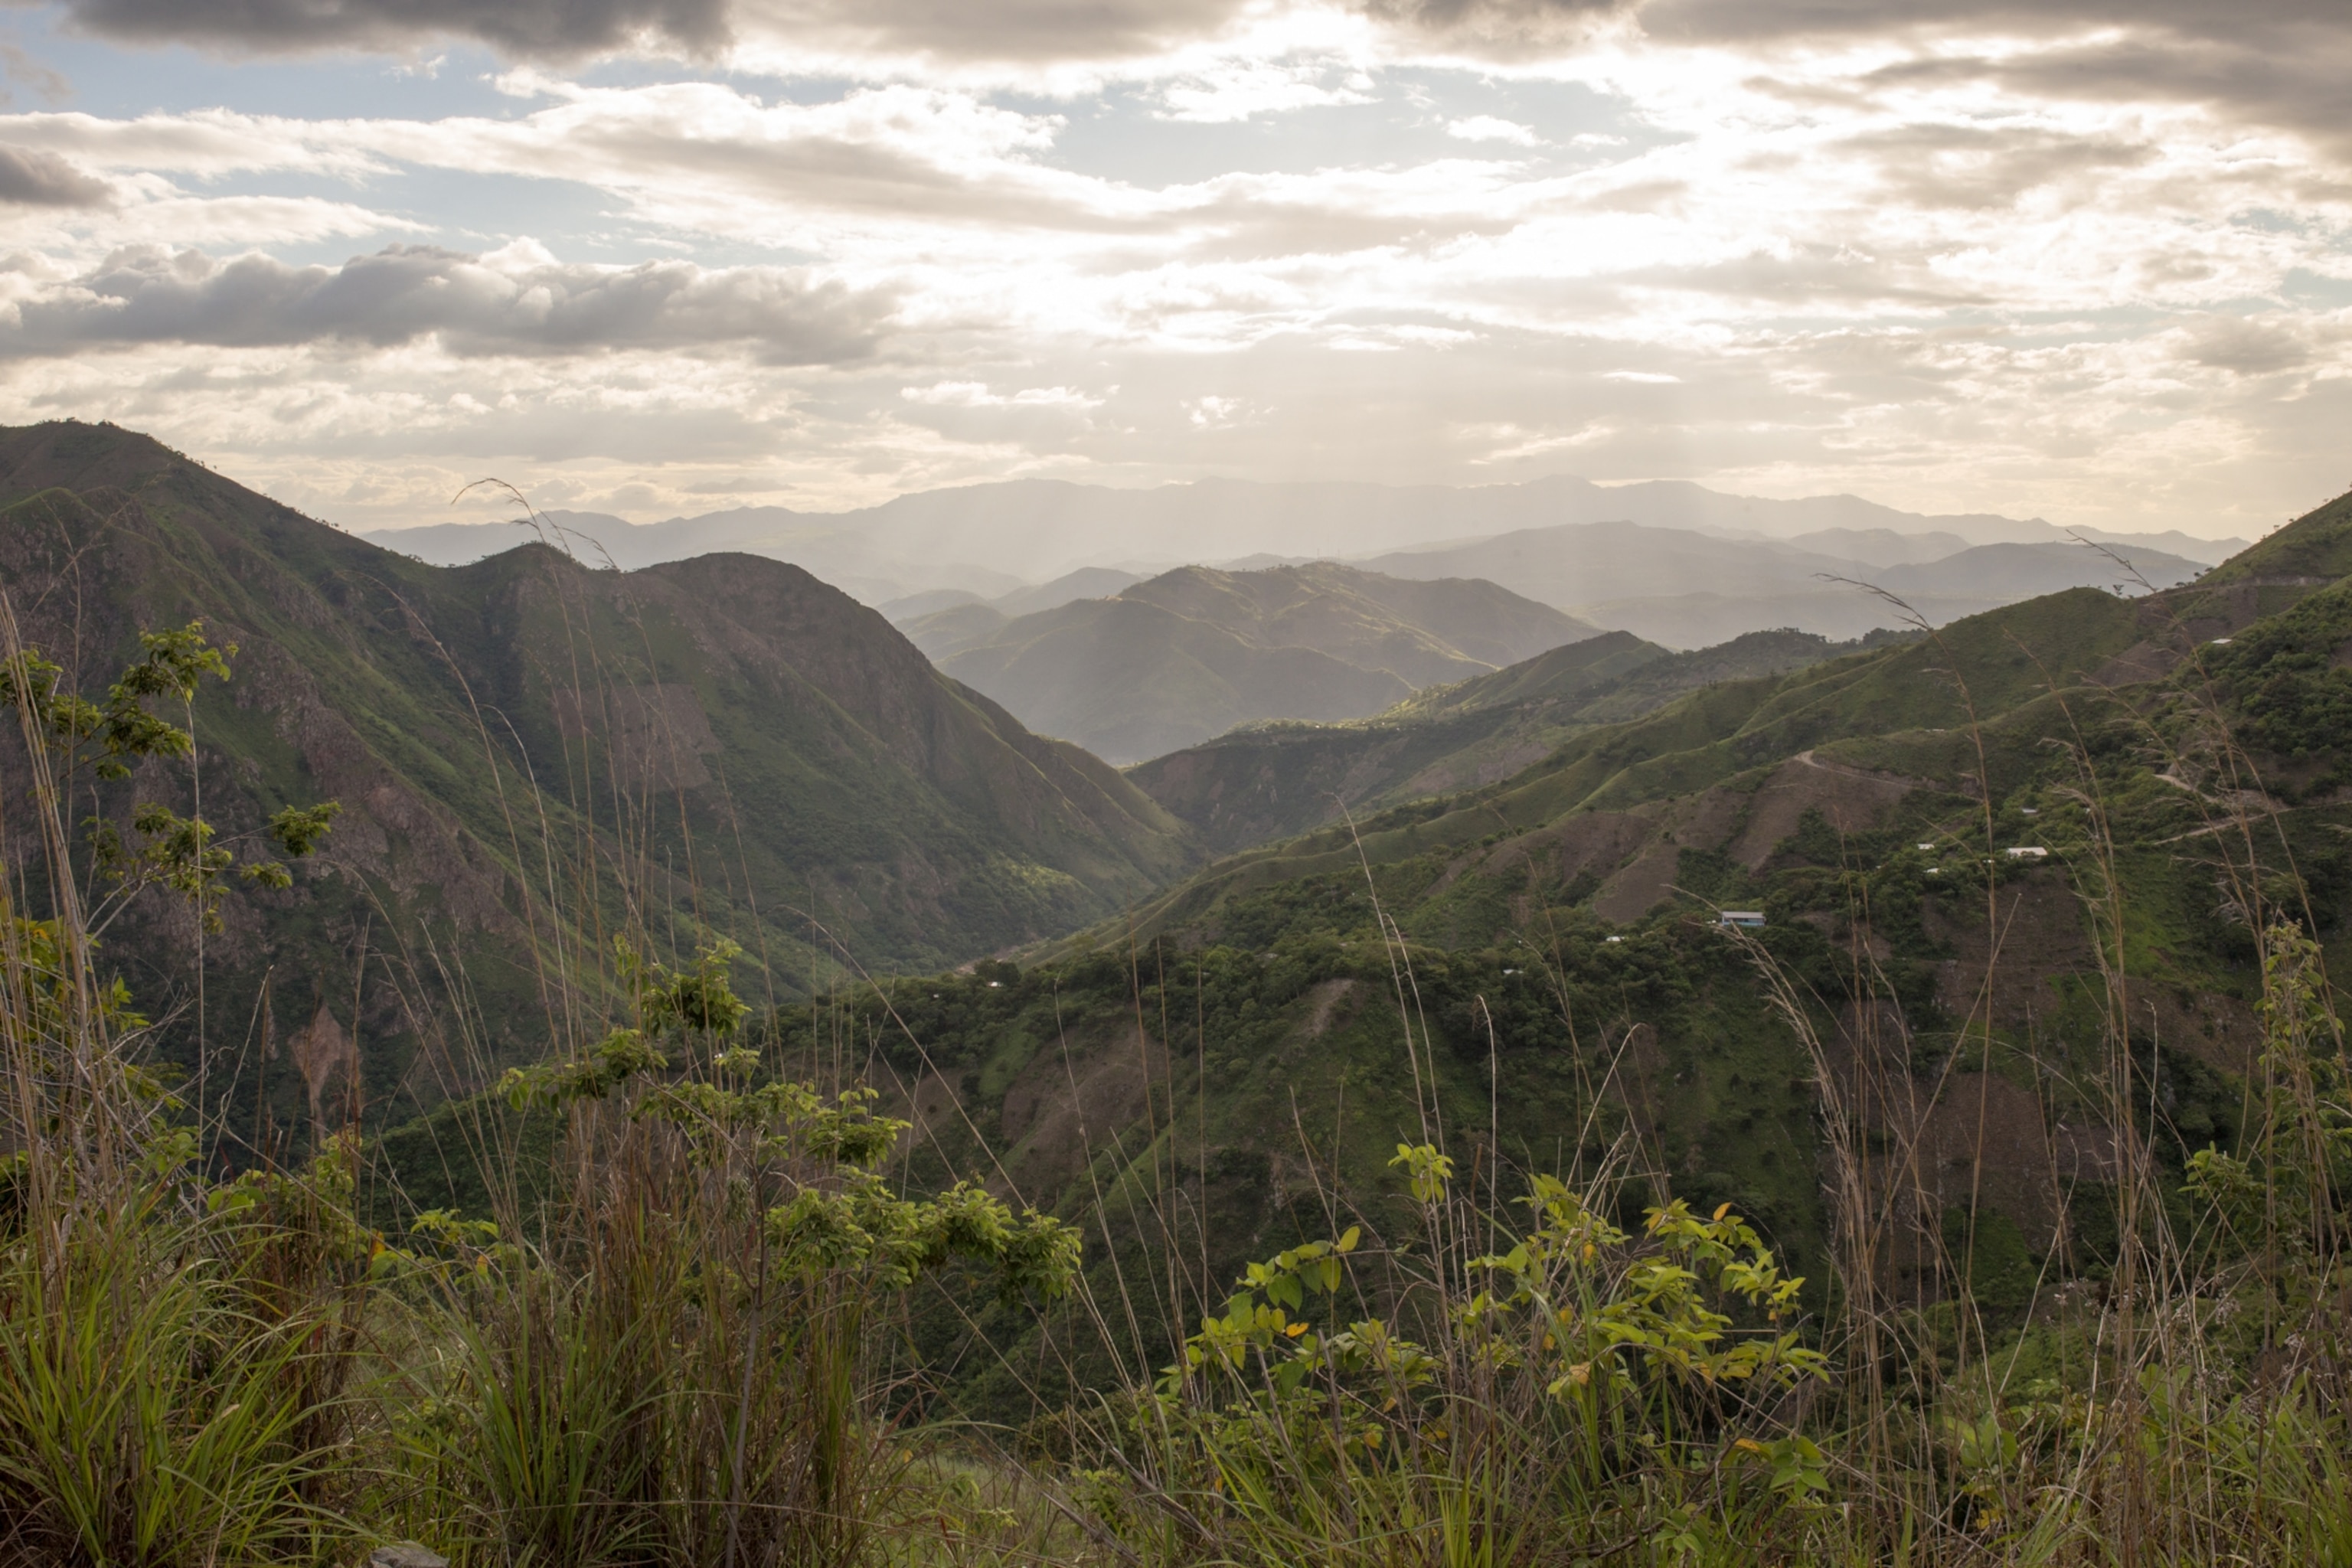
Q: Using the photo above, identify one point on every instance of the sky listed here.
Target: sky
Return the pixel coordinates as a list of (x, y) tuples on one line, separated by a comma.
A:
[(2089, 260)]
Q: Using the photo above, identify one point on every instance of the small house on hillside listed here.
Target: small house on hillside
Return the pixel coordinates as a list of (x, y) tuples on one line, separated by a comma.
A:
[(1749, 918), (2030, 852)]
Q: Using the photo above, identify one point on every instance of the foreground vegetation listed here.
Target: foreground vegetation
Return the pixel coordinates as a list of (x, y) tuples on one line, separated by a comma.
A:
[(711, 1284)]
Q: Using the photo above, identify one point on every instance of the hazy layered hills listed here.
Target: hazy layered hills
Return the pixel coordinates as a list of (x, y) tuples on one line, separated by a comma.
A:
[(1086, 583), (519, 743), (1698, 793), (1194, 652), (1689, 589), (987, 540), (1272, 781)]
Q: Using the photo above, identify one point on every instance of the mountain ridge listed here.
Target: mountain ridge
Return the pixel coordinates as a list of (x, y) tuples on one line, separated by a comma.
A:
[(1686, 588), (1196, 651), (991, 537), (1265, 782), (728, 738)]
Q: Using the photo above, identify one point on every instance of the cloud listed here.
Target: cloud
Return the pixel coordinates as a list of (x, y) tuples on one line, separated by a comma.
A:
[(208, 143), (23, 70), (1940, 165), (977, 394), (1235, 91), (2271, 62), (34, 178), (515, 302), (1515, 24), (1022, 31), (1758, 19), (1012, 428), (706, 156), (536, 27), (2247, 347), (1002, 30), (1486, 128), (1210, 412)]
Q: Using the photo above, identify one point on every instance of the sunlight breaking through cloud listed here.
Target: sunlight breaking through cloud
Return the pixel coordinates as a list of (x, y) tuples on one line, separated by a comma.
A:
[(2093, 263)]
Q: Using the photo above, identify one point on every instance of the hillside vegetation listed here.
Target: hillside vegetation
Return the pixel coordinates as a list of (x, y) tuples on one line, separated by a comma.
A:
[(1908, 1081), (1270, 780), (749, 748)]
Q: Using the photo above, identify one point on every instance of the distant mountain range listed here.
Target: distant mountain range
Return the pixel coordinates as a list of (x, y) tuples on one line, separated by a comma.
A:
[(989, 539), (1194, 652), (1086, 583), (1687, 589), (1161, 665)]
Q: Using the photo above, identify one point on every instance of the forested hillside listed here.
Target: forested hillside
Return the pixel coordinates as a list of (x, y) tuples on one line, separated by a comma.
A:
[(526, 749), (1267, 782)]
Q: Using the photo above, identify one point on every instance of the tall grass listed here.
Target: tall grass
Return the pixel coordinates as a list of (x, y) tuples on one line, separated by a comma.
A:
[(664, 1353)]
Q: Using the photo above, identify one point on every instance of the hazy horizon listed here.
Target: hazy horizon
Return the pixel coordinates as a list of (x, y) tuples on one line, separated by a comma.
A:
[(645, 517)]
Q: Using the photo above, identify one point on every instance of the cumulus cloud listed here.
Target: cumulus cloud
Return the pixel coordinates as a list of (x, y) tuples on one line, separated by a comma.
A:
[(510, 303), (29, 177), (2278, 62), (1518, 23), (1027, 30), (2247, 347), (546, 27), (2270, 62)]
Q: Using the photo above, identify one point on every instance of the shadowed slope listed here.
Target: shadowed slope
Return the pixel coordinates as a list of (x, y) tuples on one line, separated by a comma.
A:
[(727, 738)]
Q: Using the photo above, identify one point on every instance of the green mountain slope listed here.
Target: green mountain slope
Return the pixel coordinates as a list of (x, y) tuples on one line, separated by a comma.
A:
[(2316, 547), (1559, 924), (1269, 782), (1194, 652), (1623, 773), (527, 749)]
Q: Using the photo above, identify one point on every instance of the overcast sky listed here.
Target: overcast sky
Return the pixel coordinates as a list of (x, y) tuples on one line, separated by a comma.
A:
[(2084, 260)]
